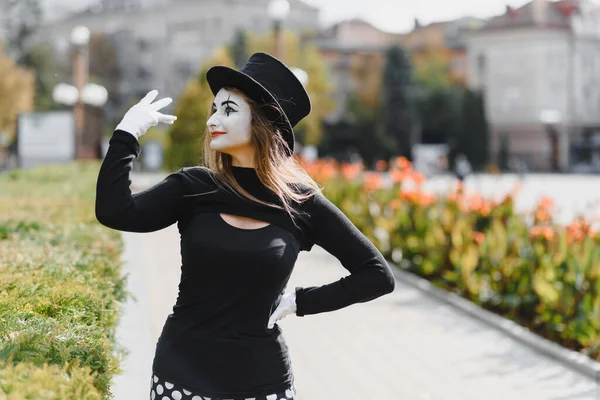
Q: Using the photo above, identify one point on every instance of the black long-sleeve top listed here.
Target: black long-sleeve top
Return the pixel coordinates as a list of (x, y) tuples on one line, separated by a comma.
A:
[(216, 341)]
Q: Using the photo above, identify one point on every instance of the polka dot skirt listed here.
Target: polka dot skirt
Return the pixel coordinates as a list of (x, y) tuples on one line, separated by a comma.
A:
[(164, 390)]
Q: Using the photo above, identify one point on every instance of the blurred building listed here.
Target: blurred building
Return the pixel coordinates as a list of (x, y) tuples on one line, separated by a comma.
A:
[(539, 69), (161, 43), (354, 51), (58, 9), (444, 40)]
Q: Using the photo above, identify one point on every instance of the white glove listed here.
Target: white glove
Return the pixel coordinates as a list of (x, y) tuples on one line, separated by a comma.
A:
[(286, 306), (139, 118)]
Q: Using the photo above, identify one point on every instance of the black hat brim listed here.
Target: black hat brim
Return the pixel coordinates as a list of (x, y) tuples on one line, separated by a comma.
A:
[(220, 76)]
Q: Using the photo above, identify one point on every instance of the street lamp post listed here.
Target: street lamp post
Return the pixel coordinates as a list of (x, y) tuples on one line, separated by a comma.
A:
[(278, 10), (80, 38), (301, 75), (81, 92)]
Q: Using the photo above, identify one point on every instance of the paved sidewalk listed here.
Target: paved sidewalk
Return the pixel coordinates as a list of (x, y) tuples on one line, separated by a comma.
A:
[(403, 346)]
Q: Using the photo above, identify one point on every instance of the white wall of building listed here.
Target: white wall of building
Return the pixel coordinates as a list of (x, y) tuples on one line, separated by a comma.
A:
[(521, 71), (524, 71)]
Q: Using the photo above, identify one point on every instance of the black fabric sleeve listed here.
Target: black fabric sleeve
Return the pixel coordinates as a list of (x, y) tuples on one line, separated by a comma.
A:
[(370, 275), (116, 207)]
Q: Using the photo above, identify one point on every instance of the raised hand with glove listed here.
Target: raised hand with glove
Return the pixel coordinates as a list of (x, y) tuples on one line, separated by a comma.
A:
[(139, 118), (286, 306)]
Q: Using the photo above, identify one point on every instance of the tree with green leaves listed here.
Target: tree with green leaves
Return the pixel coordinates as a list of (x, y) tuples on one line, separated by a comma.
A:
[(40, 60), (439, 110), (395, 130), (433, 71), (17, 86), (438, 104), (450, 113), (474, 138), (503, 153), (24, 20), (238, 49)]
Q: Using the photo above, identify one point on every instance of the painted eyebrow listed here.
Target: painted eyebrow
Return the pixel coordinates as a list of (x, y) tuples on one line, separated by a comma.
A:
[(226, 102)]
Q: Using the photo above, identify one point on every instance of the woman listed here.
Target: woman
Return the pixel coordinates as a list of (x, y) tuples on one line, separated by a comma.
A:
[(243, 217)]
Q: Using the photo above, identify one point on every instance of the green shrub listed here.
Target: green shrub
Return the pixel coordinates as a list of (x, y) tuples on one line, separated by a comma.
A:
[(60, 286), (47, 382), (527, 268)]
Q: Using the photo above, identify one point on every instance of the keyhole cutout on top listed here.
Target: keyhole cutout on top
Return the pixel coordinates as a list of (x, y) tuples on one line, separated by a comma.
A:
[(243, 222)]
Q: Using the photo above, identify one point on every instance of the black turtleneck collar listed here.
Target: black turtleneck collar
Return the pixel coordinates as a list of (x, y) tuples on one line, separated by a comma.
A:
[(235, 167), (249, 180), (247, 177), (244, 172)]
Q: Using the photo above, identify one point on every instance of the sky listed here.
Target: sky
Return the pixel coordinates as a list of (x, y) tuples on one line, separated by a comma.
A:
[(399, 15)]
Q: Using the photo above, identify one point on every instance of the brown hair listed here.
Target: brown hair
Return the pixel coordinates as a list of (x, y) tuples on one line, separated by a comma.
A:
[(276, 170)]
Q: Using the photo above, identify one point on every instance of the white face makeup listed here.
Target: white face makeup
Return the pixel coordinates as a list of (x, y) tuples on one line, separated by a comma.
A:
[(230, 124)]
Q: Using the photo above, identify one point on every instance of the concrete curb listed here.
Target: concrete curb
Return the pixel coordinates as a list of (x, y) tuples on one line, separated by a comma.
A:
[(569, 358)]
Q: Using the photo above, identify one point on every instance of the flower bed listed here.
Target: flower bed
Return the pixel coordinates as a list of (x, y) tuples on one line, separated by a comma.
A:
[(527, 268), (60, 286)]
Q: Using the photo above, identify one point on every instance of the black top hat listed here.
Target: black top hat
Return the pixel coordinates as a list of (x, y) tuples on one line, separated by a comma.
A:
[(267, 80)]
